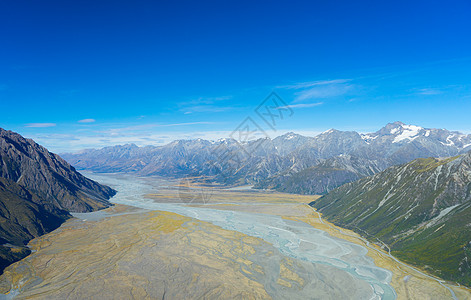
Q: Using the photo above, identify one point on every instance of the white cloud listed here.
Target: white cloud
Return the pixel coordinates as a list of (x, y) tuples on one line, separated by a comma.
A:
[(139, 128), (40, 125), (428, 91), (204, 108), (208, 100), (323, 91), (87, 121), (205, 104), (303, 85), (305, 105), (61, 143)]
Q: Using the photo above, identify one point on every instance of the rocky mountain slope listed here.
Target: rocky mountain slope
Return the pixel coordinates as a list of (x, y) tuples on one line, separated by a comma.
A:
[(291, 162), (22, 219), (324, 177), (421, 209), (54, 181), (38, 189)]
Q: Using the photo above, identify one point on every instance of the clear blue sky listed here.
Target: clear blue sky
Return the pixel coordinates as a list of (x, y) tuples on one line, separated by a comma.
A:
[(150, 71)]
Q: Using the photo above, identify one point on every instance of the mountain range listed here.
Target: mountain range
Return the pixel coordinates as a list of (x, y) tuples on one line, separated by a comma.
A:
[(383, 184), (289, 163), (38, 190), (421, 210)]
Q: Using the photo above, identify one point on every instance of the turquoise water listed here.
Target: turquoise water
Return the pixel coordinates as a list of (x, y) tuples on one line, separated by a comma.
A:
[(293, 239)]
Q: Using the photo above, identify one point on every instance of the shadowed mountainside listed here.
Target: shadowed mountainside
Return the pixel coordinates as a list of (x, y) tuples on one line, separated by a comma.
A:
[(38, 189)]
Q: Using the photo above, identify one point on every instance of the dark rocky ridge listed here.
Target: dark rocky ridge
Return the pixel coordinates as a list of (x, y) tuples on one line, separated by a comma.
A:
[(22, 218), (38, 189), (50, 177)]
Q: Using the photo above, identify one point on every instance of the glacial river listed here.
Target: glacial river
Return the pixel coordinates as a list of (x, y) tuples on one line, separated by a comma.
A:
[(293, 239)]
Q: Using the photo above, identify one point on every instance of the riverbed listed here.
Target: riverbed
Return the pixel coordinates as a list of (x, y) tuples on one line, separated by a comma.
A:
[(167, 240)]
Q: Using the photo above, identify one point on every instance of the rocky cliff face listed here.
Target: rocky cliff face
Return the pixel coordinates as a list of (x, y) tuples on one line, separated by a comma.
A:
[(22, 216), (421, 209), (47, 175), (38, 189)]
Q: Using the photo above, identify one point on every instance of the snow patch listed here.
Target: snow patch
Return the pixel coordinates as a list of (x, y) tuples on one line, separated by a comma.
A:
[(328, 131), (367, 138), (409, 132), (224, 140), (449, 141)]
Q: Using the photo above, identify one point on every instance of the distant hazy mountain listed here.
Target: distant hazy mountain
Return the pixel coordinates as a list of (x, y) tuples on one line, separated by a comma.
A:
[(365, 154), (38, 189), (290, 162), (421, 209)]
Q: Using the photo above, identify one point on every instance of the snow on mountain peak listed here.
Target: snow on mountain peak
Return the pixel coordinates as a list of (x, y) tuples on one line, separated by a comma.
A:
[(290, 135), (368, 137), (328, 131), (406, 132), (412, 127)]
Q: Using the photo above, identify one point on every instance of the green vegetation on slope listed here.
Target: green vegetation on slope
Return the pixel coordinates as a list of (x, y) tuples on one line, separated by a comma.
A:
[(422, 210)]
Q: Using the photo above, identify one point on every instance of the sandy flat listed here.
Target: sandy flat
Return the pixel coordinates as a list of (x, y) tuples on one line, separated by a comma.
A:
[(128, 252), (157, 255), (406, 281)]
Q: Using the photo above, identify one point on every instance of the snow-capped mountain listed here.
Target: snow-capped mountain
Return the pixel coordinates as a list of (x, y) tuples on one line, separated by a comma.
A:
[(401, 133), (270, 162)]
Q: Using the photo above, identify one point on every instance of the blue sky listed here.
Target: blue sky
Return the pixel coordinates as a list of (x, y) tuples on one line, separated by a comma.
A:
[(80, 74)]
